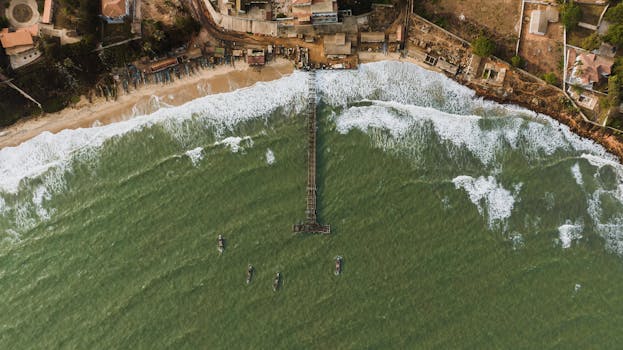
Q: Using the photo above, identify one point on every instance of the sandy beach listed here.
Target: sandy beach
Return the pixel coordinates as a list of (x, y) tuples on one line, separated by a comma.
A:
[(145, 100)]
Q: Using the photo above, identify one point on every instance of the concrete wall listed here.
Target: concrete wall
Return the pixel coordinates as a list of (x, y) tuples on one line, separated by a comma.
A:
[(244, 25)]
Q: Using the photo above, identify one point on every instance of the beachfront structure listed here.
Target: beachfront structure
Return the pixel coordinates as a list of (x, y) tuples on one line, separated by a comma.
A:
[(323, 11), (254, 9), (256, 57), (372, 37), (585, 68), (315, 11), (301, 10), (336, 45), (114, 11), (19, 46)]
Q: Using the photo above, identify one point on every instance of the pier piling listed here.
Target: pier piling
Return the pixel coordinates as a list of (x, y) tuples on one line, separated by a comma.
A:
[(311, 224)]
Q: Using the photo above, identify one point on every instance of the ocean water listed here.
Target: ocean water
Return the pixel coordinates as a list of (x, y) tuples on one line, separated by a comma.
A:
[(463, 224)]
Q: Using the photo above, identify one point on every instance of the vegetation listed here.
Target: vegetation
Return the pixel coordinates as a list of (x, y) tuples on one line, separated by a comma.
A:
[(615, 34), (517, 61), (550, 78), (570, 15), (615, 31), (614, 94), (615, 13), (592, 42), (69, 71), (483, 46)]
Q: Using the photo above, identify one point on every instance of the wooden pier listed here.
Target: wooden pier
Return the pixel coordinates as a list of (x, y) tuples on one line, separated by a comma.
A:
[(311, 224)]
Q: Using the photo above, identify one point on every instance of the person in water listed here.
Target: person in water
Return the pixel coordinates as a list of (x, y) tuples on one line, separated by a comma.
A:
[(249, 273)]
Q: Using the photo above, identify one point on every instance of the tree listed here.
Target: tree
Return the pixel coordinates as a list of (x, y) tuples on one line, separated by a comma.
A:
[(483, 46), (615, 34), (517, 61), (550, 78), (614, 94), (570, 15), (592, 42), (615, 14)]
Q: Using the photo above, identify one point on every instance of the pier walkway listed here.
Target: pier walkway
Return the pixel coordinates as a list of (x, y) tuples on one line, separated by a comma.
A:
[(311, 224)]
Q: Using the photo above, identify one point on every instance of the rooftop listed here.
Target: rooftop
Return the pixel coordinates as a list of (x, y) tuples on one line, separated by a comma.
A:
[(114, 8), (14, 39)]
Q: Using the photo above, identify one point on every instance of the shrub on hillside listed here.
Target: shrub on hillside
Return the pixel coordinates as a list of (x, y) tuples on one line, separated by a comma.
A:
[(550, 78), (483, 46), (570, 15), (517, 61)]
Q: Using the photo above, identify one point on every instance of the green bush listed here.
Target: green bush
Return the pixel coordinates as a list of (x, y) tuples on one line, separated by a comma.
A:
[(570, 15), (517, 61), (550, 78), (615, 14), (615, 34), (615, 84), (592, 42), (483, 46)]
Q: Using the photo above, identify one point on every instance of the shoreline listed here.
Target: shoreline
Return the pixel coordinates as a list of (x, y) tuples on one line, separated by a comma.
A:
[(221, 79), (144, 100)]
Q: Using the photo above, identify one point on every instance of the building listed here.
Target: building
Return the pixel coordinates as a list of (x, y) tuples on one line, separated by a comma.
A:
[(256, 57), (538, 23), (301, 10), (255, 9), (324, 11), (336, 45), (585, 68), (540, 19), (584, 99), (19, 46), (115, 11), (372, 37)]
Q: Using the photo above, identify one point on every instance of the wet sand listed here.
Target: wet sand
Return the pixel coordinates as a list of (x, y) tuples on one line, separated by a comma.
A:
[(145, 100)]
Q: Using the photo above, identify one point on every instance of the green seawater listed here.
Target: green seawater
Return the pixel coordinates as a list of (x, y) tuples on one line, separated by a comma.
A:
[(509, 238)]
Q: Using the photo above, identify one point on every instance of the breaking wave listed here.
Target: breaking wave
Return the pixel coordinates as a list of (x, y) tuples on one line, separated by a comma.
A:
[(491, 199), (46, 158), (404, 108), (195, 155)]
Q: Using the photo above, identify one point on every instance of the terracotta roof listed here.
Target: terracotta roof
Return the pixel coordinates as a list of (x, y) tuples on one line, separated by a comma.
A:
[(47, 12), (588, 67), (114, 8), (19, 38)]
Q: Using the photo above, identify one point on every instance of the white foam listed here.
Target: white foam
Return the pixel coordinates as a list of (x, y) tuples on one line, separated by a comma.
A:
[(39, 195), (517, 240), (195, 155), (12, 237), (577, 174), (233, 142), (491, 199), (363, 118), (222, 111), (537, 136), (270, 157), (600, 161), (569, 232), (454, 111)]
